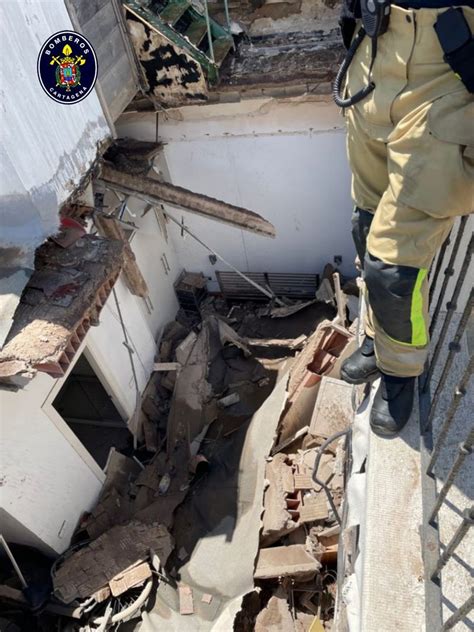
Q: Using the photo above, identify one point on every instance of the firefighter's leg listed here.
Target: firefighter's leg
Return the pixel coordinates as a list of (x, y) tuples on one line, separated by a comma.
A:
[(431, 168), (368, 160)]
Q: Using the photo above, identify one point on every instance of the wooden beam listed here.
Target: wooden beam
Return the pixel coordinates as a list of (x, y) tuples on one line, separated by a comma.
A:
[(164, 192), (135, 281)]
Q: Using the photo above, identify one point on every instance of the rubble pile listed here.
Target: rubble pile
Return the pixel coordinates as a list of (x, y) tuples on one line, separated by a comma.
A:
[(228, 513)]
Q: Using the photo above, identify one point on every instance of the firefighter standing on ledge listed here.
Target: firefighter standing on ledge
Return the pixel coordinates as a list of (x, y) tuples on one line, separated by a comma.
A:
[(409, 105)]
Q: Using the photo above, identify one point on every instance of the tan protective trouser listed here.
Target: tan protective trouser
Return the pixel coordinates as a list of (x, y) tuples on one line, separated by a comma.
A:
[(411, 150)]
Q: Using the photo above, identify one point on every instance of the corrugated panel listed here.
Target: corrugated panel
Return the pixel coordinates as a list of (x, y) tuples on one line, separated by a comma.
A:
[(292, 285)]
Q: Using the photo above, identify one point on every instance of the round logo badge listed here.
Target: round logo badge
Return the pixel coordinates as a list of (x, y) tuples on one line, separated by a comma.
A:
[(67, 67)]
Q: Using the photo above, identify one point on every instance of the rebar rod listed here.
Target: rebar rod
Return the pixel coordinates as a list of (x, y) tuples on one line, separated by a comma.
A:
[(448, 272), (7, 550), (459, 393), (454, 348), (268, 293), (460, 613), (467, 522), (451, 308), (227, 17), (434, 274), (316, 467), (463, 451), (209, 30)]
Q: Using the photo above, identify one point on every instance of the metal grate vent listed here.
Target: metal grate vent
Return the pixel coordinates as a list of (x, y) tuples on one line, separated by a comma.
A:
[(291, 285)]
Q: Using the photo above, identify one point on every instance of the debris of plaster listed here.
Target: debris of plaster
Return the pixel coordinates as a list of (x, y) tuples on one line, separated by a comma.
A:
[(208, 488)]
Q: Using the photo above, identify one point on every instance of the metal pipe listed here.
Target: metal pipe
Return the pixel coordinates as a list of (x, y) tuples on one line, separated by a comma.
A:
[(13, 561), (467, 522), (209, 32), (463, 451), (314, 475), (448, 273), (460, 613), (458, 395), (434, 274), (454, 348), (451, 308), (227, 16), (267, 293)]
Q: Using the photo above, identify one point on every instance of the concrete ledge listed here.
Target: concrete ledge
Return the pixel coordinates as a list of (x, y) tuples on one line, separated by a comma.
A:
[(393, 591)]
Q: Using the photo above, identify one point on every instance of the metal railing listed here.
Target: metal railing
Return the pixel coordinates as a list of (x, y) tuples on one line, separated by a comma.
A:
[(431, 404)]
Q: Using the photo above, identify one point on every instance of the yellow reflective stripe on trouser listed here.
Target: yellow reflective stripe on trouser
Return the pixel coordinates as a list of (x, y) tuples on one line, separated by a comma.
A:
[(419, 336)]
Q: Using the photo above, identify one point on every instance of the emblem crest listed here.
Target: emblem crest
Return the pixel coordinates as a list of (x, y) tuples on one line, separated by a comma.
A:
[(67, 67)]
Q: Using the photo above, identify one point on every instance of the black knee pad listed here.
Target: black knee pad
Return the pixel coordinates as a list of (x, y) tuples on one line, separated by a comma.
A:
[(395, 297), (361, 221)]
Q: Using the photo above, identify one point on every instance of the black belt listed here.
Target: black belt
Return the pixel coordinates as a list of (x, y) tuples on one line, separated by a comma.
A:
[(433, 4)]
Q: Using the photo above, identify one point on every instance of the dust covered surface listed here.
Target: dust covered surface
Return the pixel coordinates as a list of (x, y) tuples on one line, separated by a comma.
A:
[(69, 286), (284, 59)]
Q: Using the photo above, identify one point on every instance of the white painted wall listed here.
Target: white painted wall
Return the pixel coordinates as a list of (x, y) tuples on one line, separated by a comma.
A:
[(283, 159), (44, 481), (45, 147)]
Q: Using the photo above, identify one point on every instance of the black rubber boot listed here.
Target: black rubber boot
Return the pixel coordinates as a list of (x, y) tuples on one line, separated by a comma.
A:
[(360, 366), (393, 403)]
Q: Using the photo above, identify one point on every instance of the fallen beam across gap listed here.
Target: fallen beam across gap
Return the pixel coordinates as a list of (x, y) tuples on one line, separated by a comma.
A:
[(164, 192)]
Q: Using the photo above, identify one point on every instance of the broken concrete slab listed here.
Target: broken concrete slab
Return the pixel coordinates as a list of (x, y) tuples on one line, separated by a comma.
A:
[(276, 616), (92, 567), (333, 411), (286, 561), (164, 192), (60, 303), (277, 520)]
